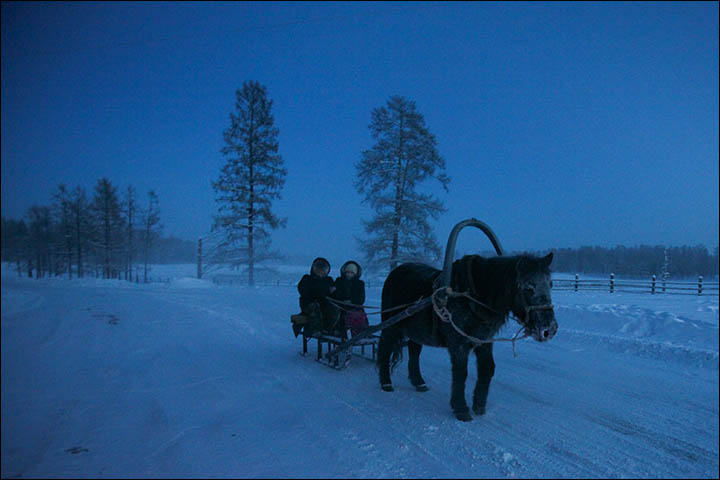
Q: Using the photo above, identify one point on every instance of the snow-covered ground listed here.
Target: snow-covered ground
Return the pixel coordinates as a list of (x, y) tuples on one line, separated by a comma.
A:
[(190, 379)]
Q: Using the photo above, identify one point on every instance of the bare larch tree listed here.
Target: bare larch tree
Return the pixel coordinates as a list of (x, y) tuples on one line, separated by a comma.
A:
[(252, 177)]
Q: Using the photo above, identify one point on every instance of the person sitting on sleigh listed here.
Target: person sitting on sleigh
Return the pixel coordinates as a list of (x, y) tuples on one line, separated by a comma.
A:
[(317, 314), (351, 290)]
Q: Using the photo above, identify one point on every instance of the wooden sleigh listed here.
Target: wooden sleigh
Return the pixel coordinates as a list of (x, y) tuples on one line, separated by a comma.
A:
[(365, 347)]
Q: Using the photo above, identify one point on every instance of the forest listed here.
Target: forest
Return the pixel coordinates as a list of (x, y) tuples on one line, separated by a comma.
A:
[(639, 261), (107, 235)]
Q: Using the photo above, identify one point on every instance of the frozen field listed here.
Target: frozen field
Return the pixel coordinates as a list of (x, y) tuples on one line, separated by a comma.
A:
[(108, 379)]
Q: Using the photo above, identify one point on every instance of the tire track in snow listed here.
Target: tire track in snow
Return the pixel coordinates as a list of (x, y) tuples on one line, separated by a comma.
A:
[(532, 417), (397, 438), (232, 320), (412, 417), (518, 438)]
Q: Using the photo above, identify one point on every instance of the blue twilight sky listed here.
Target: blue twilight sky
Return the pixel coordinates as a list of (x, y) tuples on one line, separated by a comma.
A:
[(562, 124)]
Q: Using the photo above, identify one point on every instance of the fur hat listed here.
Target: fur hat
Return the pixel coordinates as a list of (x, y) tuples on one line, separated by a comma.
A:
[(351, 265), (322, 263)]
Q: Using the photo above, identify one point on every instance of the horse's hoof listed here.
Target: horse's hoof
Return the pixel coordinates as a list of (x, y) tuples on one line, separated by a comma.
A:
[(421, 388), (465, 416), (387, 387), (478, 410)]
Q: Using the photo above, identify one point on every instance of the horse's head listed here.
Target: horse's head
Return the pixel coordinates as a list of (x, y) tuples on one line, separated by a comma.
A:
[(533, 305)]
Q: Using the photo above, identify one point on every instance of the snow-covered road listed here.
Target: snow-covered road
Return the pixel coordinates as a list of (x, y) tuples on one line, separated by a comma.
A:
[(107, 379)]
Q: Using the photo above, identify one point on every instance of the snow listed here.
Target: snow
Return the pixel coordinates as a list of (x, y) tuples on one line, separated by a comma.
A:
[(185, 378)]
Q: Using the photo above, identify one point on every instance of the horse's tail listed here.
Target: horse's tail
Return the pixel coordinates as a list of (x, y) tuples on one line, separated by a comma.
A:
[(397, 354)]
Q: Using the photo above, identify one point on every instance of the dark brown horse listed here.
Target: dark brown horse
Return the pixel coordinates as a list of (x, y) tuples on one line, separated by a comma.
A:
[(496, 287)]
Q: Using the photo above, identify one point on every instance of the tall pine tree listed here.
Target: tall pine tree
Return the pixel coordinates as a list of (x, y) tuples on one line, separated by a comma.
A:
[(388, 175), (250, 180)]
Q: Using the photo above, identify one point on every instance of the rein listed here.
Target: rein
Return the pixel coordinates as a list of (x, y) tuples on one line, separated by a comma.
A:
[(353, 306), (440, 308)]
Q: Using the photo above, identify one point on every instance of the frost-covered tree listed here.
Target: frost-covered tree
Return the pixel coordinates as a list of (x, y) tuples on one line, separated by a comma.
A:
[(130, 212), (81, 225), (107, 225), (63, 215), (388, 175), (14, 243), (252, 177), (151, 228), (40, 239)]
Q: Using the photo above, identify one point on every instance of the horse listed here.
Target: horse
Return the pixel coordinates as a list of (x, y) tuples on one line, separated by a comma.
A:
[(494, 287)]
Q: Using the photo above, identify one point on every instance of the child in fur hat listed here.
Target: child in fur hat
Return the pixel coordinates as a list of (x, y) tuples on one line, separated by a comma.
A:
[(350, 289)]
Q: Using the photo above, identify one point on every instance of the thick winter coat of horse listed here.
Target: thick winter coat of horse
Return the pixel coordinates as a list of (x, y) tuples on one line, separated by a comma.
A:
[(496, 286)]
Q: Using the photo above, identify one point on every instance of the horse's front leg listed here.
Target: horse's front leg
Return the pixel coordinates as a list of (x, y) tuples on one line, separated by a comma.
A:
[(459, 359), (485, 372)]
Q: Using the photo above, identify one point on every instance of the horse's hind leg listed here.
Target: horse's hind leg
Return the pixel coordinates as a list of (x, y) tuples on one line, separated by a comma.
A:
[(386, 345), (485, 372), (416, 379)]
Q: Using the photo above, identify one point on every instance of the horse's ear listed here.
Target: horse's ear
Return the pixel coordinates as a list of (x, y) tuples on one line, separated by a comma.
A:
[(547, 260)]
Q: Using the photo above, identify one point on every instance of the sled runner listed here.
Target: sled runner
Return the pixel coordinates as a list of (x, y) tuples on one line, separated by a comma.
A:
[(363, 344), (369, 333), (365, 348)]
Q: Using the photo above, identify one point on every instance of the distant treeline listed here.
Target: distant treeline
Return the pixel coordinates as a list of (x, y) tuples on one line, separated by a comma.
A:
[(106, 234), (639, 261)]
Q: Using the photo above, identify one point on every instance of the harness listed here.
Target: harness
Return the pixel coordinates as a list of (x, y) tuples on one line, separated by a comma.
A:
[(441, 311), (439, 299)]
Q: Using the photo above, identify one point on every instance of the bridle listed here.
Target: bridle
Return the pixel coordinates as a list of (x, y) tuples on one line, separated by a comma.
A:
[(529, 308), (472, 295)]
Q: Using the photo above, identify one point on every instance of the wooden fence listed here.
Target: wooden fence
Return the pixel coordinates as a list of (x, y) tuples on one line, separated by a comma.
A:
[(652, 286), (242, 280)]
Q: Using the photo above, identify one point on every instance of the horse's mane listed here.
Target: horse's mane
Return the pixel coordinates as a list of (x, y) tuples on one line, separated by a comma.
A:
[(491, 280)]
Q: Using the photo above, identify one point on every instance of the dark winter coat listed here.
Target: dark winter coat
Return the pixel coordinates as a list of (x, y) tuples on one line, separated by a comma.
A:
[(313, 288), (352, 291)]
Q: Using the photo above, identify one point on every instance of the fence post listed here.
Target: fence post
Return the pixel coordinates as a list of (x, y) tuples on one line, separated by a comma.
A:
[(652, 292), (612, 283), (199, 269), (576, 282), (700, 282)]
